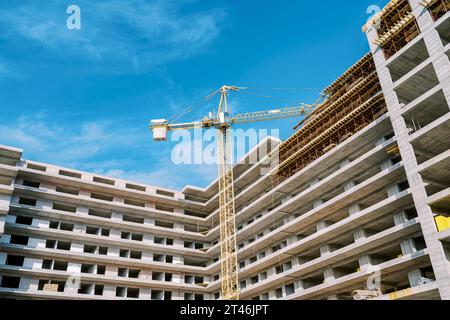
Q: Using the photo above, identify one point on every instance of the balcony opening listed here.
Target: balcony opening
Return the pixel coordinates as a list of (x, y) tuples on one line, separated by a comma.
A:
[(60, 265), (63, 207), (103, 181), (135, 187), (18, 239), (289, 289), (136, 255), (162, 224), (32, 184), (165, 193), (36, 167), (157, 295), (10, 282), (27, 201), (70, 174), (50, 244), (135, 203), (122, 272), (164, 208), (66, 226), (132, 219), (63, 245), (101, 270), (12, 260), (24, 220), (132, 273), (85, 288), (103, 197), (133, 293), (121, 292), (158, 257), (90, 249), (137, 237), (92, 230), (98, 290), (87, 268), (100, 214), (410, 59), (419, 83), (74, 192)]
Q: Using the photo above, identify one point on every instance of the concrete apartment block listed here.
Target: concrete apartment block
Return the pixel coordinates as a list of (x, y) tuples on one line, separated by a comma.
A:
[(371, 208)]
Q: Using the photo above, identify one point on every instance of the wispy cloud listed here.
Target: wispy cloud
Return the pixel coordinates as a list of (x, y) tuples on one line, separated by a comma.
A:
[(5, 68), (105, 147), (44, 138), (128, 36)]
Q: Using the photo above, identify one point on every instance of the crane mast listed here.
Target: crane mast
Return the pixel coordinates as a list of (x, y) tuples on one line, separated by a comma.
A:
[(223, 123), (228, 253)]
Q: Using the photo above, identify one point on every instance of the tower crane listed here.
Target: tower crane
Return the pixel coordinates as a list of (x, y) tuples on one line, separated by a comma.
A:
[(222, 122)]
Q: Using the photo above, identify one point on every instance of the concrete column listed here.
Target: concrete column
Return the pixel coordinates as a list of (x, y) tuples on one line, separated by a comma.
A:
[(354, 209), (40, 223), (2, 224), (145, 294), (74, 267), (434, 45), (115, 252), (77, 247), (115, 233), (109, 291), (116, 216), (393, 190), (408, 247), (25, 283), (286, 199), (3, 256), (329, 275), (82, 210), (31, 263), (178, 260), (79, 228), (317, 203), (425, 216), (386, 164)]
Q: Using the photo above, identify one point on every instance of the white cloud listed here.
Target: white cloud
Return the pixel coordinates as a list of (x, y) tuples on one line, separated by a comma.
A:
[(104, 147), (127, 35), (46, 139)]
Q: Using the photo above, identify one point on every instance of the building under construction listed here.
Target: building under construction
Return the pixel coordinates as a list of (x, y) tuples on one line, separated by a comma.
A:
[(358, 207)]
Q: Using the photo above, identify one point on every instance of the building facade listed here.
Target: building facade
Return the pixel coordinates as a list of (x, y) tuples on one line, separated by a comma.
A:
[(360, 199)]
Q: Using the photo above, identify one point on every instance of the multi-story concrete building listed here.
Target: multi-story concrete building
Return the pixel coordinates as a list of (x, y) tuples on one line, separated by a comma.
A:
[(361, 197)]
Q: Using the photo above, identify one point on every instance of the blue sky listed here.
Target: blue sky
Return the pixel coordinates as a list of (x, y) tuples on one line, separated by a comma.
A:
[(83, 98)]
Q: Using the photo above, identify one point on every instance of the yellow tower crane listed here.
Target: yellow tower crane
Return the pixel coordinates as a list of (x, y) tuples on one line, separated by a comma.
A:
[(223, 121)]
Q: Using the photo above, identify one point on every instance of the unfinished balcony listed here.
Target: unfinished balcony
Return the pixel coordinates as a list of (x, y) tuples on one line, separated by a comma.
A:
[(416, 82)]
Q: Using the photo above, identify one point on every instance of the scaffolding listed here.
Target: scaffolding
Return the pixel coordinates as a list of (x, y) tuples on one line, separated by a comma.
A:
[(354, 101), (396, 26), (437, 8)]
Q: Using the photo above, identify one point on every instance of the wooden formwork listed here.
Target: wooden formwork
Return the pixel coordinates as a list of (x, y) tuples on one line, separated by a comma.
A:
[(333, 111), (437, 8), (396, 27), (354, 101), (340, 131)]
